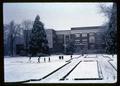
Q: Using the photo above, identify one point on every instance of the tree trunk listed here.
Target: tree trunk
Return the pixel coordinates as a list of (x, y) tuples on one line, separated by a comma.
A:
[(26, 40), (11, 46)]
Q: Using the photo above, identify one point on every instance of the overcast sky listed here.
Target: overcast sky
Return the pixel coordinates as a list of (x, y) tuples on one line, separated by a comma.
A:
[(58, 16)]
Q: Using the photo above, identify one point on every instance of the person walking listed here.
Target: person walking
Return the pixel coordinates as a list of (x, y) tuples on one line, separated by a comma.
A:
[(49, 59), (44, 60)]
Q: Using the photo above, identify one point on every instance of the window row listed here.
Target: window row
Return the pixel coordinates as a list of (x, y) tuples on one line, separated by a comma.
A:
[(91, 40), (84, 34)]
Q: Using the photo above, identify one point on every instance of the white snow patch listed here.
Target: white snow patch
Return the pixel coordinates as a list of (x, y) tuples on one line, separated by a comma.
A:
[(112, 60), (109, 73), (85, 70), (91, 56), (19, 68)]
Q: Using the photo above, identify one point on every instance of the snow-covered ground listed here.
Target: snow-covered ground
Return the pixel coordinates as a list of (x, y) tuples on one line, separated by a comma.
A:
[(90, 71), (20, 68), (91, 56), (108, 71), (87, 66), (112, 60)]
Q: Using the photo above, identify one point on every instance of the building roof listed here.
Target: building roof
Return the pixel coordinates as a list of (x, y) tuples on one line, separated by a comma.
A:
[(84, 28), (63, 32)]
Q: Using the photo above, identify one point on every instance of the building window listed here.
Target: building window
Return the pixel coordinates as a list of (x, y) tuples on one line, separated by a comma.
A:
[(84, 40), (84, 34), (77, 35), (67, 36), (77, 41), (98, 34), (92, 39), (91, 34), (60, 38)]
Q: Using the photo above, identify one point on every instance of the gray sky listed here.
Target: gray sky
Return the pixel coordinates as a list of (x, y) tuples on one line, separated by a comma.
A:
[(58, 16)]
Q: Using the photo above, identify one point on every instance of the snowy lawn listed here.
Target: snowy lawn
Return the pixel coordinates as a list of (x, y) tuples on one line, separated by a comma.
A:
[(109, 73), (112, 60), (20, 68), (84, 70), (91, 56)]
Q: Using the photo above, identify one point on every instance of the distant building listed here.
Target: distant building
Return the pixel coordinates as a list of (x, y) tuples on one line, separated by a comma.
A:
[(52, 39), (87, 39)]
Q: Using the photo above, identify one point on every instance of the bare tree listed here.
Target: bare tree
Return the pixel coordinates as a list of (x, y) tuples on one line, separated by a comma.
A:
[(111, 35), (106, 10), (14, 31), (6, 41), (27, 25), (110, 12), (12, 34)]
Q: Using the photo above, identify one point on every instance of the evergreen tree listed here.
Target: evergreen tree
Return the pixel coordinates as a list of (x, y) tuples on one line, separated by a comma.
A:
[(38, 43), (111, 34)]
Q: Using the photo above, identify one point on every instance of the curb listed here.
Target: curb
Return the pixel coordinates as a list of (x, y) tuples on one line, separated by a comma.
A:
[(100, 74), (88, 79)]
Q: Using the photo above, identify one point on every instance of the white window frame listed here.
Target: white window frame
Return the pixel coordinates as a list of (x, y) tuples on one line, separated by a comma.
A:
[(77, 35), (84, 34)]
